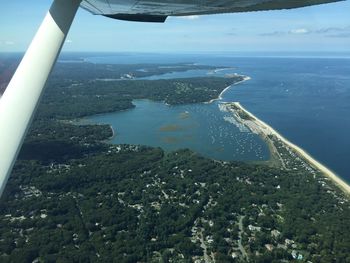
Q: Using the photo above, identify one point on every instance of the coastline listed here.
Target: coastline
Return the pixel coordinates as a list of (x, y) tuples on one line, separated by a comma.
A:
[(266, 131), (245, 78), (84, 121), (113, 132)]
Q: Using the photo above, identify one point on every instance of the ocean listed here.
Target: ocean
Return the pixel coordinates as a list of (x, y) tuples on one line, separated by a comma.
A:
[(305, 98)]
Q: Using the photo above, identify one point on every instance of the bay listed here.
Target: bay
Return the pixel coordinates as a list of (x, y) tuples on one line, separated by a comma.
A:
[(202, 128)]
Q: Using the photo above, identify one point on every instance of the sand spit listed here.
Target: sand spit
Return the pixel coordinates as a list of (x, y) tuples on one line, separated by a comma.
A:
[(245, 78), (263, 129), (113, 133)]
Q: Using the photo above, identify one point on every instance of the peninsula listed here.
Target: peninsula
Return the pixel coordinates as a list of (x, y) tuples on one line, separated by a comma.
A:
[(287, 154)]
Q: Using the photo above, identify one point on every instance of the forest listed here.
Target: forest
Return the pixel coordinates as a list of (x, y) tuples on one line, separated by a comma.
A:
[(72, 197), (75, 100)]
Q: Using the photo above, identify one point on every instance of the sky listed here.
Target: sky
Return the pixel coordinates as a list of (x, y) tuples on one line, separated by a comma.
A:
[(317, 28)]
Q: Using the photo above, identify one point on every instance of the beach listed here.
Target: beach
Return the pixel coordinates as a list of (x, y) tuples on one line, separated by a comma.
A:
[(267, 132), (245, 78), (113, 133)]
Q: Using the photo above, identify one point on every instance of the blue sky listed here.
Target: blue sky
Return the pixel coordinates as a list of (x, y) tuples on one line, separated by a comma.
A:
[(317, 28)]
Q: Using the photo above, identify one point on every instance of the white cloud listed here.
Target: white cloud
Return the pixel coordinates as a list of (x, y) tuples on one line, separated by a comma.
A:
[(299, 31), (333, 30), (341, 32), (194, 17), (275, 33)]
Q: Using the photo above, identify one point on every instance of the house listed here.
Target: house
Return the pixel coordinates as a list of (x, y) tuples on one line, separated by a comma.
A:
[(269, 247)]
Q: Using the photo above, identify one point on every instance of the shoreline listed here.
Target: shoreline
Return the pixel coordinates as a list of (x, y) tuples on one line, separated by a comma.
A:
[(113, 132), (83, 121), (245, 78), (263, 129)]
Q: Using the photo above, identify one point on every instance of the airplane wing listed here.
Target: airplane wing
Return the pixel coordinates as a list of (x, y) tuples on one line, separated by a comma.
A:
[(159, 10)]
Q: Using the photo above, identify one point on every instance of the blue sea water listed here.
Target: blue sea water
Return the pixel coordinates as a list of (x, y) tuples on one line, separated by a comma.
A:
[(305, 98), (202, 128)]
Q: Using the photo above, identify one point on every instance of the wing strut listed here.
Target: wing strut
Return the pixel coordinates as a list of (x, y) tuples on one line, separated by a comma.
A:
[(20, 100)]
